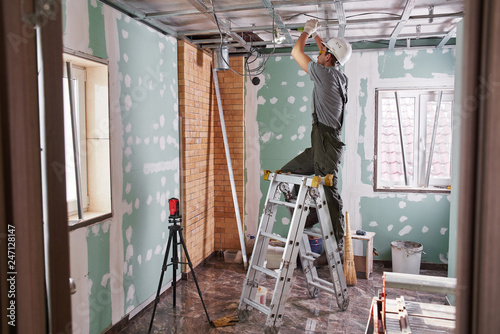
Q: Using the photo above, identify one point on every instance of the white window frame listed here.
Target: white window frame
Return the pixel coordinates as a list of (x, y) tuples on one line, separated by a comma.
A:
[(417, 181)]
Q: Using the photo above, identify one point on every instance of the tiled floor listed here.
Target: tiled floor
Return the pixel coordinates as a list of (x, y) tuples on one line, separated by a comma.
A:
[(221, 285)]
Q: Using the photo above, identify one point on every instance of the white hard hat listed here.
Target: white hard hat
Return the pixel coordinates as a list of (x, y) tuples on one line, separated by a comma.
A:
[(340, 48)]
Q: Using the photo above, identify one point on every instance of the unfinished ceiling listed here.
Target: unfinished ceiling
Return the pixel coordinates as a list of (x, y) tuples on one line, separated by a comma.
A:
[(268, 26)]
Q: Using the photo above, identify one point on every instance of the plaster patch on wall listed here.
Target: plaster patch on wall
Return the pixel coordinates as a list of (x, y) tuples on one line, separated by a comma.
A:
[(443, 258), (438, 197), (285, 221), (139, 259), (265, 138), (284, 83), (291, 99), (149, 254), (149, 200), (95, 229), (403, 218), (128, 127), (129, 253), (127, 207), (405, 230), (128, 151), (277, 59), (105, 226), (408, 64), (425, 229), (261, 100), (443, 230), (128, 233), (302, 73), (412, 197), (402, 204), (124, 34), (373, 224), (125, 57), (105, 279), (146, 140), (162, 166), (130, 293), (279, 136), (128, 187), (127, 81), (130, 270), (158, 249), (163, 215), (389, 228), (273, 100), (305, 98), (303, 109), (136, 204), (300, 84), (162, 143)]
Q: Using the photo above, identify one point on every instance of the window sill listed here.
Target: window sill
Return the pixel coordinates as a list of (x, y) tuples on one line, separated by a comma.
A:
[(89, 218), (428, 190)]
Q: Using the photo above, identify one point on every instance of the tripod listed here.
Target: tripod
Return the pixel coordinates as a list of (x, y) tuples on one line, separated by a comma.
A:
[(174, 231)]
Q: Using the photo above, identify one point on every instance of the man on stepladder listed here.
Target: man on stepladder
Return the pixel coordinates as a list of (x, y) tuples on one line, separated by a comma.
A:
[(328, 101)]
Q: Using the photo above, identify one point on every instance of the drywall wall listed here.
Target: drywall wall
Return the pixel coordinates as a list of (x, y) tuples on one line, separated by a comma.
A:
[(117, 263), (281, 106)]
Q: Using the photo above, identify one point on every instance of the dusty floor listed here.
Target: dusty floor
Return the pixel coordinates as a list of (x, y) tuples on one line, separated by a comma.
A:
[(221, 285)]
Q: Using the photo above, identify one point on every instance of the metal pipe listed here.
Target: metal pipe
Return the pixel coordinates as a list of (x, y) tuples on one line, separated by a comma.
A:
[(230, 170), (76, 148), (433, 142), (401, 137)]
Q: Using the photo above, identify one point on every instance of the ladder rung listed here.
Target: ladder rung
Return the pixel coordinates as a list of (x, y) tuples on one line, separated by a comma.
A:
[(266, 271), (288, 204), (322, 287), (273, 236), (258, 306), (307, 257), (323, 282), (313, 234)]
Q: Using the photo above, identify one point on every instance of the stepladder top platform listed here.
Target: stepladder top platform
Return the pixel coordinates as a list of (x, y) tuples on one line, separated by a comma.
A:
[(311, 180)]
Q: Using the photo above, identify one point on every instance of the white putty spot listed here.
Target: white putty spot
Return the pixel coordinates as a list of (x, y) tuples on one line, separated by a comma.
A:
[(139, 259), (129, 253), (161, 46), (301, 136), (128, 102), (443, 258), (438, 197), (402, 204), (293, 138), (162, 143), (128, 80), (389, 228), (128, 128), (128, 167), (149, 200), (302, 73), (300, 84), (266, 136), (140, 81), (285, 221), (163, 199), (105, 226), (125, 57), (261, 100), (382, 196), (443, 230), (156, 126), (105, 278), (171, 140), (128, 151), (124, 34), (405, 230), (136, 204), (93, 3), (277, 59), (403, 218), (128, 233), (138, 140), (155, 167), (279, 136), (302, 129), (305, 98), (130, 140), (273, 100), (163, 215), (155, 139), (158, 249), (408, 64), (412, 197), (149, 254), (162, 120), (131, 293), (425, 229), (146, 140), (291, 99), (128, 187), (95, 229), (127, 207), (373, 223), (163, 181), (284, 83), (303, 109), (130, 270)]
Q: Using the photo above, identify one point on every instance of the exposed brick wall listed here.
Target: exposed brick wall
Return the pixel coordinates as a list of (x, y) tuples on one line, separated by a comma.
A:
[(209, 221)]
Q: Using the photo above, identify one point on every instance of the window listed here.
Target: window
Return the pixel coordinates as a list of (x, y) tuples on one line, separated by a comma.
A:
[(89, 84), (413, 146)]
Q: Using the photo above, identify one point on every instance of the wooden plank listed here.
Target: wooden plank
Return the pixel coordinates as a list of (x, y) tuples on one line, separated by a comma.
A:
[(445, 285)]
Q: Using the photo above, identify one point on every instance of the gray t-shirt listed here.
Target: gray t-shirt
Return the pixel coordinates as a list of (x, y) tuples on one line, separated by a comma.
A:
[(329, 94)]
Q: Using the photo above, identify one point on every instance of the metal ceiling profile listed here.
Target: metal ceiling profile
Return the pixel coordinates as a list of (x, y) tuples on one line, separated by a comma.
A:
[(268, 26)]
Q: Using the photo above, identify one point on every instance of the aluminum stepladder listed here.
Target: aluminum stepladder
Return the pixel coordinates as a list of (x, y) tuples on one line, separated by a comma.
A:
[(311, 194)]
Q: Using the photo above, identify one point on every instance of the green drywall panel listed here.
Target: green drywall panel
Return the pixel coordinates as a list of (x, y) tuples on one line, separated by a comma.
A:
[(417, 64), (419, 218), (98, 244), (284, 118), (97, 40), (149, 112)]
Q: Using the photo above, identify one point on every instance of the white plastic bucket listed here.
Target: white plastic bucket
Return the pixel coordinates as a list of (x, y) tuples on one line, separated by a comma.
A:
[(406, 256)]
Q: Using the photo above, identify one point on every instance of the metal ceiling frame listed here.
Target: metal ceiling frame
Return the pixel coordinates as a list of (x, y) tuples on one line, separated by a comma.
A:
[(410, 4)]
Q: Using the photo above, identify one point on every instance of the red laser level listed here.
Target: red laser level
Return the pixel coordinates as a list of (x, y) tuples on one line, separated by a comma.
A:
[(173, 205)]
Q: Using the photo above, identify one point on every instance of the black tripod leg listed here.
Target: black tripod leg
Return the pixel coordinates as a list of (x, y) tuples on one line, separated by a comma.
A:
[(194, 277), (175, 260), (163, 269)]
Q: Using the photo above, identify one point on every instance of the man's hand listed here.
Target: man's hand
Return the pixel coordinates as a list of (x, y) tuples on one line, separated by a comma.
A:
[(311, 27)]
